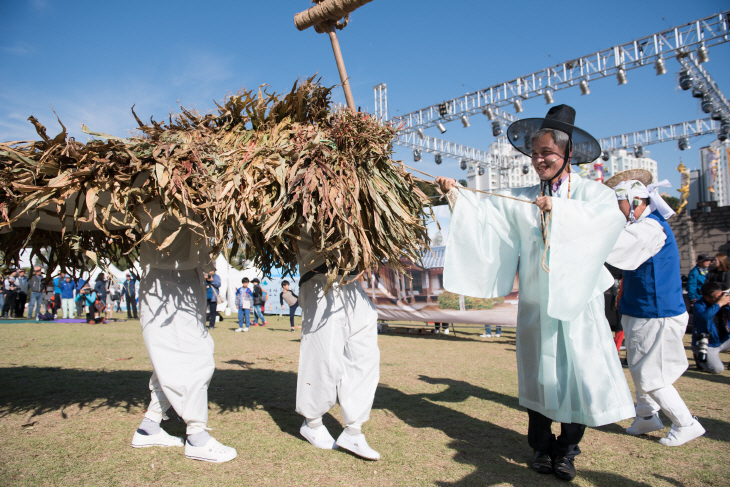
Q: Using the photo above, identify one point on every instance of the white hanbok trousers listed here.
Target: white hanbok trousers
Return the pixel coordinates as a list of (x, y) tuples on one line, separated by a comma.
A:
[(657, 358), (339, 356), (172, 313)]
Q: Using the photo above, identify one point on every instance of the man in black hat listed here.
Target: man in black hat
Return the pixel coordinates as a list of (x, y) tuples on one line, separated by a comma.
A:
[(568, 368), (697, 277)]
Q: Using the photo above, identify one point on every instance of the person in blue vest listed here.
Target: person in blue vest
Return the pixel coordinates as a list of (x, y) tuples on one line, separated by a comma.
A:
[(654, 315), (697, 277)]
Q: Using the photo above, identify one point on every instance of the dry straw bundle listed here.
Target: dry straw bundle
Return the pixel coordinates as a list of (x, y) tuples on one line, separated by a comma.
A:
[(251, 176)]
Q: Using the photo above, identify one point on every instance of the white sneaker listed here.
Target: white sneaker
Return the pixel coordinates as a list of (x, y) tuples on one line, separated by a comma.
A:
[(485, 335), (641, 426), (437, 331), (679, 435), (213, 451), (239, 330), (357, 445), (245, 329), (446, 331), (160, 439), (498, 335), (320, 437)]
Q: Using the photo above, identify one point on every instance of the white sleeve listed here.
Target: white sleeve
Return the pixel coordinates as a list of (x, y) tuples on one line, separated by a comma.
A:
[(637, 243)]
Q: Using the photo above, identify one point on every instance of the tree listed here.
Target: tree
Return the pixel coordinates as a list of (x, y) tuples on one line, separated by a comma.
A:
[(463, 182), (671, 201)]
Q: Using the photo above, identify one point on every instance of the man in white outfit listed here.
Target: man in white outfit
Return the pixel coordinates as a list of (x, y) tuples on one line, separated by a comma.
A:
[(652, 305), (172, 313), (339, 357)]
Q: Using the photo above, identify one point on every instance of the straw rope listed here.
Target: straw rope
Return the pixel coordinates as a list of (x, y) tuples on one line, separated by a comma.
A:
[(327, 11)]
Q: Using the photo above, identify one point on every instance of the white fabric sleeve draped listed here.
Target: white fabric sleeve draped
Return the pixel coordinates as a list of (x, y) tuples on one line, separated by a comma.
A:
[(637, 243), (482, 249), (582, 234)]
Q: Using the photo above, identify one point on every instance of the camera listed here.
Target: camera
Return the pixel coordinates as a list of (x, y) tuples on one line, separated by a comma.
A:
[(703, 342)]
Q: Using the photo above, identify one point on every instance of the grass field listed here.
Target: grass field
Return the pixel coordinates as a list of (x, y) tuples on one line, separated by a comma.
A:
[(445, 413)]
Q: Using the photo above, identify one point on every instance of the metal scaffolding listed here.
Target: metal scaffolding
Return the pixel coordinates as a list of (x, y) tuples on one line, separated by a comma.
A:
[(667, 133)]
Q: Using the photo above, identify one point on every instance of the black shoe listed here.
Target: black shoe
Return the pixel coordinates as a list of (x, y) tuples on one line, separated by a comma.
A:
[(542, 463), (564, 468)]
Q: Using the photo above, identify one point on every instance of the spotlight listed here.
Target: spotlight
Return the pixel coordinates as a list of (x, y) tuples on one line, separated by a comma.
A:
[(481, 170), (518, 106), (725, 127), (584, 90), (496, 129), (702, 55), (660, 67), (549, 97), (621, 76), (462, 164), (685, 80), (443, 110), (638, 151), (420, 133), (441, 127), (465, 121), (416, 155), (605, 156), (707, 103), (525, 169), (683, 143), (698, 92), (716, 114), (722, 137), (489, 112), (437, 159)]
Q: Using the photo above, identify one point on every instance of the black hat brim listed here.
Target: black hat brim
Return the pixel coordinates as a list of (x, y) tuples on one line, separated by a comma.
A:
[(585, 147)]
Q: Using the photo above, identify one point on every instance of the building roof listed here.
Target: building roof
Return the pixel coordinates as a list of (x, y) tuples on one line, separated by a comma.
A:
[(435, 259)]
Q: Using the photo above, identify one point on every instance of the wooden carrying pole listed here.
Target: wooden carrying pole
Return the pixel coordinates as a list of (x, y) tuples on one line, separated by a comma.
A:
[(323, 17)]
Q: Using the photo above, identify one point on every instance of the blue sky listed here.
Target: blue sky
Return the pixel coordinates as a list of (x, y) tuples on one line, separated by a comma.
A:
[(93, 60)]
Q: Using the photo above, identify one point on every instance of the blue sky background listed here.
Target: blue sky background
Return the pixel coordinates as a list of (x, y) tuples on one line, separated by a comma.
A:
[(93, 60)]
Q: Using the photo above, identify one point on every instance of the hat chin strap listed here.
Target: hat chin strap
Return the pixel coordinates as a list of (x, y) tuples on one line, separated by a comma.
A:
[(548, 185)]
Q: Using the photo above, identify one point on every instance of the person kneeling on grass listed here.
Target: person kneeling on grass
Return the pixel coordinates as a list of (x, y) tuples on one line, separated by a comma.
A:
[(88, 299), (244, 298), (710, 334)]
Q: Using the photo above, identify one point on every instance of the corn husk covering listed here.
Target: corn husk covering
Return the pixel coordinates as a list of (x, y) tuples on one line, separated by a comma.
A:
[(251, 176)]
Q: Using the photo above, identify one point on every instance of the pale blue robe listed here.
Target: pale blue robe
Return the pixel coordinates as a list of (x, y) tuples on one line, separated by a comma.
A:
[(567, 364)]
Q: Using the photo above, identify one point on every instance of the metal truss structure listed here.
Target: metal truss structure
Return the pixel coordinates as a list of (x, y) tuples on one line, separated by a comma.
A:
[(654, 49), (667, 133), (705, 83), (444, 148)]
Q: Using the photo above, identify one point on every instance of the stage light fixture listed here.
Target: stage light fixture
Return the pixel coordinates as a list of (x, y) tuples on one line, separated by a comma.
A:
[(416, 155), (465, 121), (698, 92), (702, 55), (525, 168), (660, 67), (489, 112), (716, 114), (443, 110), (420, 133), (437, 159), (683, 143), (638, 151), (707, 104), (441, 127), (462, 164), (518, 106), (496, 129), (722, 137), (621, 76), (605, 156), (725, 127), (584, 89), (685, 80), (549, 97), (481, 170)]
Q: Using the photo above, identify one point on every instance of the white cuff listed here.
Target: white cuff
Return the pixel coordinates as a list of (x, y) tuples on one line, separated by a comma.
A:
[(452, 195)]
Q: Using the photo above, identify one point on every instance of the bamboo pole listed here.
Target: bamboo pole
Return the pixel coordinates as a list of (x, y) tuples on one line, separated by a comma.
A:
[(341, 67)]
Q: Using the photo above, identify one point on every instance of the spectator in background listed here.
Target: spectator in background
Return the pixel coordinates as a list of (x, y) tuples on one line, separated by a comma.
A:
[(49, 298), (112, 297), (57, 292), (720, 273), (244, 301), (67, 298), (100, 288), (21, 284), (212, 285), (88, 299), (438, 327), (711, 316), (259, 300), (291, 299), (35, 286), (130, 296), (697, 277), (9, 292), (488, 331), (80, 283)]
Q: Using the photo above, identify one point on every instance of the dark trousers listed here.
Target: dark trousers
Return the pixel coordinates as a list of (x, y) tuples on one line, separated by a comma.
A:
[(131, 306), (56, 303), (540, 436), (9, 304), (79, 308), (213, 309), (292, 311), (20, 300)]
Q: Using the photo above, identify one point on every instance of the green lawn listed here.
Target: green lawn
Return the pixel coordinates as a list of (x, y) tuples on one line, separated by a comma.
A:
[(446, 413)]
